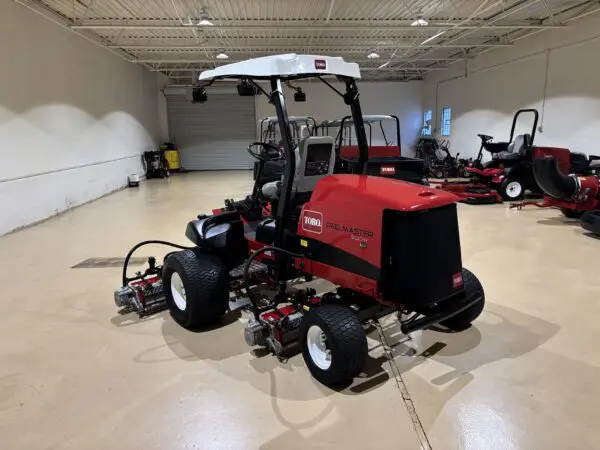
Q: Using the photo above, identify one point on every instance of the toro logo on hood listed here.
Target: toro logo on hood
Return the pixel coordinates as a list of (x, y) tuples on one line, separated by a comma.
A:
[(312, 221), (387, 170), (320, 64)]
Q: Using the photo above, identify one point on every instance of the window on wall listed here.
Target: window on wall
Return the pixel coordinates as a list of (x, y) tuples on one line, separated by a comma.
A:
[(446, 119), (427, 115)]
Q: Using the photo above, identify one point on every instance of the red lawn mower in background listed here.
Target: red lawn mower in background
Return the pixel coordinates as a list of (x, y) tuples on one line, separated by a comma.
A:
[(508, 175), (570, 183), (385, 157), (387, 246)]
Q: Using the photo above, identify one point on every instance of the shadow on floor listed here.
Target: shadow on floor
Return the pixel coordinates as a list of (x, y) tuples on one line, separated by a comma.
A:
[(560, 221), (500, 333), (591, 235), (125, 319)]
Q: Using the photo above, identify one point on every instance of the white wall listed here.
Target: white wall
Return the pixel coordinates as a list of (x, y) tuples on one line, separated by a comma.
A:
[(74, 118), (499, 82), (400, 99)]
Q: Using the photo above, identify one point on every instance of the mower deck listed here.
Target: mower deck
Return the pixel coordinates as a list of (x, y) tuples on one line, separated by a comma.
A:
[(469, 193)]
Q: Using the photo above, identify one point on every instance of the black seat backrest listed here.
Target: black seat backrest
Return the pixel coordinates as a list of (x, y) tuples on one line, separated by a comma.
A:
[(520, 144)]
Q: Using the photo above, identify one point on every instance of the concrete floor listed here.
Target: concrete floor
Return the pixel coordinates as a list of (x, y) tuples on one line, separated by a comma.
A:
[(76, 375)]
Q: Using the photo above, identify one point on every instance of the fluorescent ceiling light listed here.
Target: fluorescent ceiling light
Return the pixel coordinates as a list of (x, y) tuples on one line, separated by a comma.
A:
[(222, 56), (385, 64), (373, 55), (420, 22), (437, 35)]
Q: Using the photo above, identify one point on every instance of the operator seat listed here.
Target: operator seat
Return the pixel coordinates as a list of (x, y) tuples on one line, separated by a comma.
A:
[(315, 159), (517, 149)]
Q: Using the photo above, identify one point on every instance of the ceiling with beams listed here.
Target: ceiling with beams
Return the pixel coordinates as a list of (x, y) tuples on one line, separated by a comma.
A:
[(181, 37)]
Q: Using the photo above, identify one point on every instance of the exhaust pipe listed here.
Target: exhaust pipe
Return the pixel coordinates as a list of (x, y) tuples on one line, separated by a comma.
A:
[(552, 180)]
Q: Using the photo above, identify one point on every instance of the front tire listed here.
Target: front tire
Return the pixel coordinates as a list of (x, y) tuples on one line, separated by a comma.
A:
[(463, 320), (334, 344), (196, 288), (511, 190)]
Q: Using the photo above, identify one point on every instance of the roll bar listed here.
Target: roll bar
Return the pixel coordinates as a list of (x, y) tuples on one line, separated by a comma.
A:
[(535, 123), (369, 120)]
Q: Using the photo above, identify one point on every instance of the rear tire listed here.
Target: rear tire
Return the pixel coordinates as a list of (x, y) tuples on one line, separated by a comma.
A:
[(463, 320), (571, 213), (196, 288), (511, 190), (334, 344)]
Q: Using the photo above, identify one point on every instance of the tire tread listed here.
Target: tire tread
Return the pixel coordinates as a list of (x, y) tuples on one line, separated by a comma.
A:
[(349, 343), (205, 281)]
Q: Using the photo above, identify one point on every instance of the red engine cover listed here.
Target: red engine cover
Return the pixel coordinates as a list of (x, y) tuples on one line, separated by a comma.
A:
[(346, 211)]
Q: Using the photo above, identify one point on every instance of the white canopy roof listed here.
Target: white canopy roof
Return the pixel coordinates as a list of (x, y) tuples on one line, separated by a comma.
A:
[(288, 66)]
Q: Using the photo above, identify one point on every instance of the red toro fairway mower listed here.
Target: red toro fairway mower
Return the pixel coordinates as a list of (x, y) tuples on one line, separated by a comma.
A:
[(577, 194), (373, 237), (385, 159)]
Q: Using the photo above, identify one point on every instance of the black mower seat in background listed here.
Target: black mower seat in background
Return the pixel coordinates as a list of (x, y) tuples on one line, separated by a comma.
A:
[(495, 147)]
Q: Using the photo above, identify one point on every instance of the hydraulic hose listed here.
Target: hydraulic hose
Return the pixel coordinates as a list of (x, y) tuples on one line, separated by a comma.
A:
[(141, 244), (247, 272)]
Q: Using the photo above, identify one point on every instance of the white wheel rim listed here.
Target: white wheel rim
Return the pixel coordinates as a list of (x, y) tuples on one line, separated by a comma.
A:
[(317, 347), (514, 189), (178, 291)]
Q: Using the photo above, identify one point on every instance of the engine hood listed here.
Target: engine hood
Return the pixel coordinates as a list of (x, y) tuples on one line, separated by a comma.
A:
[(380, 192)]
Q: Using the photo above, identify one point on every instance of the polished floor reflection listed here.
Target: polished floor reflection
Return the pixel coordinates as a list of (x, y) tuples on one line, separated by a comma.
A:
[(76, 375)]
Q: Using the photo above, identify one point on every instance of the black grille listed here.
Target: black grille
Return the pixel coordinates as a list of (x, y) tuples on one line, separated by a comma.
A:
[(420, 256)]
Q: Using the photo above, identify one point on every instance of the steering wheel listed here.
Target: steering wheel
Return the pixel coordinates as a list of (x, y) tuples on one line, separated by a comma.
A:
[(267, 152)]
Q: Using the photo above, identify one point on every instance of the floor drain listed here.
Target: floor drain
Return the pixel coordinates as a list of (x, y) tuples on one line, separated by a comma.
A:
[(102, 263)]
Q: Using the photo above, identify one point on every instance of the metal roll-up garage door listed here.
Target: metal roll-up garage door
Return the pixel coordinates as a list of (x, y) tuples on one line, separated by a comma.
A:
[(213, 135)]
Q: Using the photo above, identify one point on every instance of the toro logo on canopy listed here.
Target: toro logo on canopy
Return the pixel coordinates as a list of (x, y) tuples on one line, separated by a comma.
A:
[(320, 64), (312, 221)]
